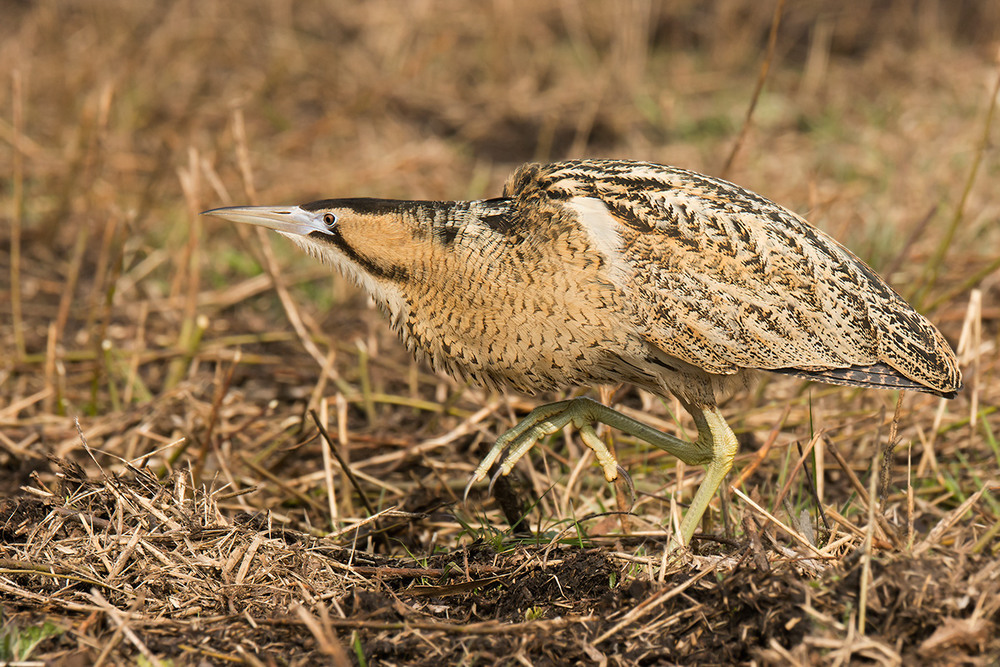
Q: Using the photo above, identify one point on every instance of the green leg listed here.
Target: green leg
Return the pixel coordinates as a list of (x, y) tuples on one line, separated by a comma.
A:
[(716, 445), (719, 442)]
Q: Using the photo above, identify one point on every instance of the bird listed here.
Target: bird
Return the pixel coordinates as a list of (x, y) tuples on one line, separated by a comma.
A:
[(606, 271)]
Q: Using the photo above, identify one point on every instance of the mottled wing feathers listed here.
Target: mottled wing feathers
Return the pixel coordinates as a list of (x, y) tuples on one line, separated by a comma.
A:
[(725, 279)]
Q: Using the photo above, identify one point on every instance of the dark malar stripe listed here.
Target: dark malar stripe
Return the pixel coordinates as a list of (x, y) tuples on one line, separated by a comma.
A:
[(390, 272)]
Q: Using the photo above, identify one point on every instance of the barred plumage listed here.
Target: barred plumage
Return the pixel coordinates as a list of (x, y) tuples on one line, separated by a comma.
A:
[(727, 280), (606, 271)]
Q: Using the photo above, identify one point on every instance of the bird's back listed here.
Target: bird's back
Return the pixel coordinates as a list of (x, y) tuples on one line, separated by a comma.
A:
[(725, 280)]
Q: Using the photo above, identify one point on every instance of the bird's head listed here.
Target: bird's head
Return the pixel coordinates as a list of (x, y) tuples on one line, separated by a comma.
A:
[(378, 243), (377, 240)]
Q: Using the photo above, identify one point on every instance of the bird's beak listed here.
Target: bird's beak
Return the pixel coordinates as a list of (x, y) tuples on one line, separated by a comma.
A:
[(291, 220)]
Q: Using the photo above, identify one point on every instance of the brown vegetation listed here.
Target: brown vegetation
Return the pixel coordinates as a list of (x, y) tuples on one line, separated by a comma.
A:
[(165, 495)]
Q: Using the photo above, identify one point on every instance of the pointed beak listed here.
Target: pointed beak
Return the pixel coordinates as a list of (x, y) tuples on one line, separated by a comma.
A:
[(291, 220)]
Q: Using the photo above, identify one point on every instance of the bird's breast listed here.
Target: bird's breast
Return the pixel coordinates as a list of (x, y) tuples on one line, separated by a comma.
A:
[(531, 313)]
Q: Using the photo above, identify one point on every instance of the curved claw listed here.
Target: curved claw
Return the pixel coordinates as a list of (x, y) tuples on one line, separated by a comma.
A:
[(493, 480), (468, 487), (627, 478)]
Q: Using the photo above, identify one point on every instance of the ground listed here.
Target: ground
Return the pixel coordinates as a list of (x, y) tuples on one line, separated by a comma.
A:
[(166, 495)]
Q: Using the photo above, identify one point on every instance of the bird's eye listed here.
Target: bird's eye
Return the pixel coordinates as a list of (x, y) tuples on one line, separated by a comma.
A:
[(329, 219)]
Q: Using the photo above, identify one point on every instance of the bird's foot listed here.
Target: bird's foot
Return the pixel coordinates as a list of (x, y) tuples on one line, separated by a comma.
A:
[(543, 421)]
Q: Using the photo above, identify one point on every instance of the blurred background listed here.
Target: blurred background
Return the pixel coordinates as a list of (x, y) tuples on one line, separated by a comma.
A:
[(123, 120), (161, 330)]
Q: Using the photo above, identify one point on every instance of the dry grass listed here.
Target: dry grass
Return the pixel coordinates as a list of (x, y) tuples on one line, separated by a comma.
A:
[(166, 497)]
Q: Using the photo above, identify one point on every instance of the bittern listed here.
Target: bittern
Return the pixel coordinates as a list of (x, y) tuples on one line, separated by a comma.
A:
[(607, 271)]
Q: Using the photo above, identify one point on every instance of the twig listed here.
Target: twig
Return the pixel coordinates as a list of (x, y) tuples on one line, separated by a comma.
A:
[(791, 531), (952, 518), (331, 488), (121, 620), (207, 442), (763, 451), (270, 476), (885, 476), (343, 464), (888, 532), (964, 286), (327, 640), (904, 252), (652, 603), (772, 40), (482, 628), (934, 266), (17, 205), (798, 466), (866, 554)]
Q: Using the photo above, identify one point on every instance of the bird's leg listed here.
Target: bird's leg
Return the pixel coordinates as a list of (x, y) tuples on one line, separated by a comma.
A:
[(716, 445), (719, 443)]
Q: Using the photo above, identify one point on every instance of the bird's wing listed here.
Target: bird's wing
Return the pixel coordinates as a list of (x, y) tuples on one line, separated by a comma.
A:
[(725, 279)]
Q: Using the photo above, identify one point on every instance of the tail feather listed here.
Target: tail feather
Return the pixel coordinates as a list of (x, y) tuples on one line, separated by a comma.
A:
[(877, 375)]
